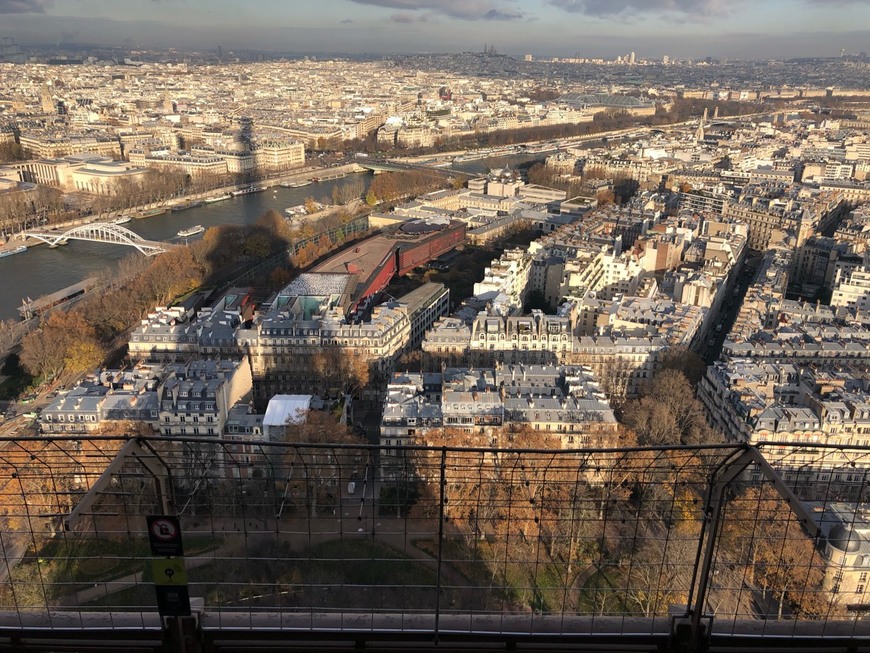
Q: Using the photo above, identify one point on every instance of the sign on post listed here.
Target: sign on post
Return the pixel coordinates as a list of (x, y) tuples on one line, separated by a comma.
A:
[(172, 600), (164, 535), (170, 583), (170, 573)]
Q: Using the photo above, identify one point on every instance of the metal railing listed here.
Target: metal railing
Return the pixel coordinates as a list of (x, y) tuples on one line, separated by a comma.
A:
[(663, 547)]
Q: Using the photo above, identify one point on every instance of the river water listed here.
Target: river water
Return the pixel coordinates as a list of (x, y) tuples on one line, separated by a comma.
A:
[(41, 271)]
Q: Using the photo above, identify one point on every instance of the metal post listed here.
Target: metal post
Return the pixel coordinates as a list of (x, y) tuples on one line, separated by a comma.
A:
[(715, 522), (730, 472), (441, 499)]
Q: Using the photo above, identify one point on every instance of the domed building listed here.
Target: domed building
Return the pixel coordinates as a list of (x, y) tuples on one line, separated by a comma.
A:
[(846, 551)]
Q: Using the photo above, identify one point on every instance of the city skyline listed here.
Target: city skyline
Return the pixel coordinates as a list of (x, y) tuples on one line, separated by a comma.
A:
[(588, 28)]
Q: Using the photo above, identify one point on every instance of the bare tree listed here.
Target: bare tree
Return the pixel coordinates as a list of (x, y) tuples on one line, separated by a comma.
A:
[(9, 333), (766, 539), (43, 354), (348, 192), (669, 413), (317, 471)]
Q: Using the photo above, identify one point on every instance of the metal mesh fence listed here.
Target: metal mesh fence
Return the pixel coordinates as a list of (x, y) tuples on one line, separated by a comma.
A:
[(320, 536)]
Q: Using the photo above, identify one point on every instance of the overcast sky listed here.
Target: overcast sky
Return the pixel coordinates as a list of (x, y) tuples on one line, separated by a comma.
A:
[(680, 28)]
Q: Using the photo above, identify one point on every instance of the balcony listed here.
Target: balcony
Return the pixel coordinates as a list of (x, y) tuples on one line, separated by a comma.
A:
[(303, 546)]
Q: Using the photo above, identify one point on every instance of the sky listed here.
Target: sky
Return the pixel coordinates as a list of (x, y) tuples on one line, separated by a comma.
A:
[(589, 28)]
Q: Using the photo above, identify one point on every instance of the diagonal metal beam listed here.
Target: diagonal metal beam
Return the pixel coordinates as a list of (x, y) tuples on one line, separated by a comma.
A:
[(715, 501), (132, 450)]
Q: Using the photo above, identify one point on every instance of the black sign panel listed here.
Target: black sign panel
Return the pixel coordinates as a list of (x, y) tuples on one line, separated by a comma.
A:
[(164, 534), (173, 600)]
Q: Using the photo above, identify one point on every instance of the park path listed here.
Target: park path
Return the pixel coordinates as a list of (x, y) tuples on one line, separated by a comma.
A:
[(241, 536), (105, 588)]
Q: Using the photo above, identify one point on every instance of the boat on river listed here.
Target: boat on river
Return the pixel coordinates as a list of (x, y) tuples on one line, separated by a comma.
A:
[(189, 205), (9, 252), (219, 198), (191, 231), (150, 213), (248, 190)]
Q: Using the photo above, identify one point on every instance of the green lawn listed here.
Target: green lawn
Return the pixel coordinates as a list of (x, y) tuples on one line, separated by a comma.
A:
[(348, 574), (68, 564), (140, 597)]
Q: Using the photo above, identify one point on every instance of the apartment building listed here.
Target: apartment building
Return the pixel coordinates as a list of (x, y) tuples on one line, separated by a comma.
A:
[(757, 402), (852, 291), (165, 334), (195, 398), (308, 317), (602, 270), (192, 164), (565, 402), (49, 145), (274, 155), (509, 276)]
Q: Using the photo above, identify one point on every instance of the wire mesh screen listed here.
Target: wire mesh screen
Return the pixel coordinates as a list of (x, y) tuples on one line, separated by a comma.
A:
[(783, 564), (314, 536)]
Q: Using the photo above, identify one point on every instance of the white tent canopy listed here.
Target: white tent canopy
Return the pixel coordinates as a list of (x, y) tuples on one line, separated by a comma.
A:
[(283, 410)]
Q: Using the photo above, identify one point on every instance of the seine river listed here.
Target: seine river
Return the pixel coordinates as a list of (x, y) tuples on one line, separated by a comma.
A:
[(41, 271)]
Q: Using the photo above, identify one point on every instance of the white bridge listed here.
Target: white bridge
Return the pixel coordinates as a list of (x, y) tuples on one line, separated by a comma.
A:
[(100, 232)]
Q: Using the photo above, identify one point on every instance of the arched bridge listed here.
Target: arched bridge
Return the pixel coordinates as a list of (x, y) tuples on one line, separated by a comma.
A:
[(385, 165), (101, 232)]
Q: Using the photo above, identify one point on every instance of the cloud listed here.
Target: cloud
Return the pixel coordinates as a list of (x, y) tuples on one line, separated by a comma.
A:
[(22, 6), (495, 14), (407, 19), (461, 9), (680, 9), (346, 21), (608, 8)]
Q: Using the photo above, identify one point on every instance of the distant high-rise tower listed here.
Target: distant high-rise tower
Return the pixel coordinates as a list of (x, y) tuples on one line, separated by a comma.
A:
[(528, 57), (666, 60), (632, 58), (220, 52)]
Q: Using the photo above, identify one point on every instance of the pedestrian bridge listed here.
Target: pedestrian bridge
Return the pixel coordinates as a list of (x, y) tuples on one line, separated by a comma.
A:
[(101, 232)]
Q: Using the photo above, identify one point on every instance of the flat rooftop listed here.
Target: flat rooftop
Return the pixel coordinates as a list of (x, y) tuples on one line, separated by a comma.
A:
[(317, 285), (420, 296), (362, 260)]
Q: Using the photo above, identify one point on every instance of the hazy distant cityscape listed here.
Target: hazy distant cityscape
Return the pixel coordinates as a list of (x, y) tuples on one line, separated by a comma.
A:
[(439, 337)]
